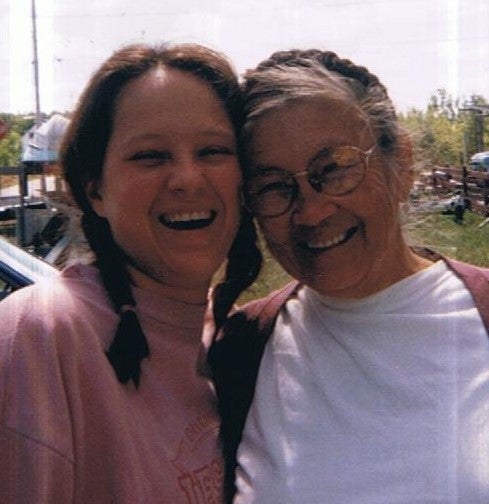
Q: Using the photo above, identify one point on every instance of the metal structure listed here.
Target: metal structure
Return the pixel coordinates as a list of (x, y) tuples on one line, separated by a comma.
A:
[(19, 268), (19, 202)]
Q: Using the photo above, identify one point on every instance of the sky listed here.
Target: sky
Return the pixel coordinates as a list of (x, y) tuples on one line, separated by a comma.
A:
[(414, 46)]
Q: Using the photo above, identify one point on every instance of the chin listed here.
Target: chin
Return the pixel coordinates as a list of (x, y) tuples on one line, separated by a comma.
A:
[(331, 282)]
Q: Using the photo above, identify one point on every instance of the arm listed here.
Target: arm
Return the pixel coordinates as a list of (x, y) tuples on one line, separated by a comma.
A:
[(31, 472), (36, 457)]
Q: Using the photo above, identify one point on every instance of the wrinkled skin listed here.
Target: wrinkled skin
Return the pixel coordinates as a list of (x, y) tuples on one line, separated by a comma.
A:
[(346, 246)]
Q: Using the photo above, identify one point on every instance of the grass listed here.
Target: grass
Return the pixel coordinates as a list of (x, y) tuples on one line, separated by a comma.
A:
[(439, 232), (465, 242), (272, 277)]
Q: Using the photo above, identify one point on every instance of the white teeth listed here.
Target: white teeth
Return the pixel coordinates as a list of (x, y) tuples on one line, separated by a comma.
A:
[(326, 243), (187, 216)]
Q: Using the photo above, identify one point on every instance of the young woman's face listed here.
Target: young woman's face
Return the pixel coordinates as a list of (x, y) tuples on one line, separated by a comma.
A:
[(345, 246), (171, 179)]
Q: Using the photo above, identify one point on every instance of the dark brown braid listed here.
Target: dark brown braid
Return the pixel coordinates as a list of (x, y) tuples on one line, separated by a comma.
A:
[(371, 94), (243, 267), (129, 345)]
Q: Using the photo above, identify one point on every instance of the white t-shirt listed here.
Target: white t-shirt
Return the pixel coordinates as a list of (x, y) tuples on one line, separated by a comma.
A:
[(379, 400)]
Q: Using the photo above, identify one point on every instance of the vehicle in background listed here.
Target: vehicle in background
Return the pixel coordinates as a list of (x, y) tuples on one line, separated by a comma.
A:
[(480, 162), (19, 268)]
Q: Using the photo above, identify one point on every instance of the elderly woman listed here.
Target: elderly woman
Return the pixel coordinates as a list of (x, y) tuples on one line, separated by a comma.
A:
[(373, 386)]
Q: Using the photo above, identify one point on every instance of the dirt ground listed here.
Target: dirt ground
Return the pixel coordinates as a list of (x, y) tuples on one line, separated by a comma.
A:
[(8, 180)]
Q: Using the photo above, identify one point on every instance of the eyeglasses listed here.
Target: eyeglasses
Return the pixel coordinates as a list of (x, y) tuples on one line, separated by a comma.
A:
[(270, 192)]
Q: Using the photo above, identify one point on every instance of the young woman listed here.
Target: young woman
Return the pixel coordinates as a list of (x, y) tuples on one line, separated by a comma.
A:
[(372, 370), (100, 396)]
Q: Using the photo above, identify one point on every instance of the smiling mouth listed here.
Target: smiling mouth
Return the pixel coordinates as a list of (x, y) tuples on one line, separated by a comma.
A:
[(186, 221), (321, 246)]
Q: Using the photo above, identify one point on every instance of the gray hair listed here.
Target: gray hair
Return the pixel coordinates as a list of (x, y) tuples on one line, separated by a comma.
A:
[(298, 75)]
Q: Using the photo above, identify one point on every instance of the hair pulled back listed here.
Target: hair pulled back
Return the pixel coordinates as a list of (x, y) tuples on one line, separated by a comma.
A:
[(297, 74), (82, 157)]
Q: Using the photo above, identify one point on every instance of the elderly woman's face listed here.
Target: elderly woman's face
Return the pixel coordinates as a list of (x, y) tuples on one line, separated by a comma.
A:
[(345, 246)]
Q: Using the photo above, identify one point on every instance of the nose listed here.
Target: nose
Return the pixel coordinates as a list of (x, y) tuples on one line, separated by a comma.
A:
[(312, 207), (185, 176)]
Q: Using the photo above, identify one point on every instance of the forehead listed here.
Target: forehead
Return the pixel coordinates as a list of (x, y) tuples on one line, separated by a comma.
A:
[(299, 129), (162, 82), (163, 95)]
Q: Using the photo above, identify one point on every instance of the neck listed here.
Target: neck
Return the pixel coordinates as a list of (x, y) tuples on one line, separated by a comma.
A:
[(187, 294), (399, 263)]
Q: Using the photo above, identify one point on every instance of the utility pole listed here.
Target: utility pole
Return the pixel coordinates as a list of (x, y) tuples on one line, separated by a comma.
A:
[(36, 63), (36, 83), (23, 176)]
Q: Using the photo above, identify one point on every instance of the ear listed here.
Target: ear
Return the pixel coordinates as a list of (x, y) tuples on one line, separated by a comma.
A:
[(405, 166), (95, 196)]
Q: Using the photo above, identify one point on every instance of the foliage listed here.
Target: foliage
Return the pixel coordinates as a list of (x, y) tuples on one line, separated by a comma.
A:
[(445, 133), (472, 118), (10, 146), (10, 149)]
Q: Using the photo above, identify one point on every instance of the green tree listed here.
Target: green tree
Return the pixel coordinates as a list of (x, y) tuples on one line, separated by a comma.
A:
[(476, 112), (10, 146), (444, 133)]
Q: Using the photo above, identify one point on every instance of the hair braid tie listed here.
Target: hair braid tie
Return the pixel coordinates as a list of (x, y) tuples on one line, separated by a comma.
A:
[(129, 347), (127, 307)]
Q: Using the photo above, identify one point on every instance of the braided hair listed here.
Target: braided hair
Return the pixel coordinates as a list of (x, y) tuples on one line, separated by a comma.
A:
[(243, 267), (295, 74), (82, 157)]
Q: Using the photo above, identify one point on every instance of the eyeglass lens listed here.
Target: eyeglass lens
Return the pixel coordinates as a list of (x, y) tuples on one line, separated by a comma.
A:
[(335, 172)]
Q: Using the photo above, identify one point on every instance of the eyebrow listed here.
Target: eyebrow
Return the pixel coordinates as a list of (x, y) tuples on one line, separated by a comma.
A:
[(263, 169), (218, 132), (325, 151)]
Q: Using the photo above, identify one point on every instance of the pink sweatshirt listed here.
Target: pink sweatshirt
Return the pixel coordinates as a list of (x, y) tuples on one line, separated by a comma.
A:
[(70, 432)]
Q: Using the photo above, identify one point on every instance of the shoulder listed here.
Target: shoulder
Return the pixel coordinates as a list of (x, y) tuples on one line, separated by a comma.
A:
[(474, 277), (53, 318), (465, 270), (475, 280), (51, 334), (53, 300), (245, 332), (261, 313)]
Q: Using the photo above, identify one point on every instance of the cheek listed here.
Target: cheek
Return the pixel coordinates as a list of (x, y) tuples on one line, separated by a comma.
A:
[(228, 187), (376, 184), (280, 242), (277, 234), (131, 189)]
